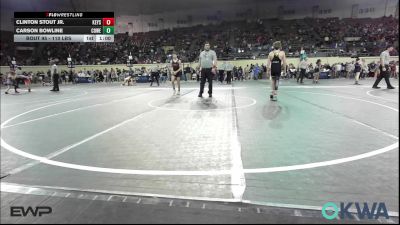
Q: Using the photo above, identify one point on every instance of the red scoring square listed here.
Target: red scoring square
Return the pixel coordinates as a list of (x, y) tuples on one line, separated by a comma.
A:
[(108, 21)]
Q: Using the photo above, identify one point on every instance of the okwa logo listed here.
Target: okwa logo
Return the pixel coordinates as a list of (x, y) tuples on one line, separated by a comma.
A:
[(364, 211)]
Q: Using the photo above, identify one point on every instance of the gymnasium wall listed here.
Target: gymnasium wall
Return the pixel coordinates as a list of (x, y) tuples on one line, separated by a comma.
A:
[(243, 63)]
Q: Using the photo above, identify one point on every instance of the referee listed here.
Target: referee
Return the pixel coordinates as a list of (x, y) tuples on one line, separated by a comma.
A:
[(54, 75), (208, 65), (384, 68)]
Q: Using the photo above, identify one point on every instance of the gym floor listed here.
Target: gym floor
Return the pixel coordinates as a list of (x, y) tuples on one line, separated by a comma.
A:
[(319, 143)]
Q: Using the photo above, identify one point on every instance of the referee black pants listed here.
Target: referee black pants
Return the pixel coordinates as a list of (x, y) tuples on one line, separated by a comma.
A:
[(383, 75), (206, 74), (56, 77), (302, 74)]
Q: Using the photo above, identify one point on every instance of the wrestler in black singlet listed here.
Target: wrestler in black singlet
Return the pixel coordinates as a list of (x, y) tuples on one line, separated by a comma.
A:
[(276, 66), (175, 67)]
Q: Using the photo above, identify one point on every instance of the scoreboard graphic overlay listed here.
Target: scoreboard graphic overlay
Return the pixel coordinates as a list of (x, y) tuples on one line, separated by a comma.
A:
[(64, 26)]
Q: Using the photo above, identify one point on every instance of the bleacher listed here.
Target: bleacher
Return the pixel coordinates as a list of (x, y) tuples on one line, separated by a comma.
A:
[(230, 40)]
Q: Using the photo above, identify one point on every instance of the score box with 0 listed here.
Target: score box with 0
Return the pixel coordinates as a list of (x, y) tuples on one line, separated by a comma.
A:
[(102, 30), (108, 30), (108, 21)]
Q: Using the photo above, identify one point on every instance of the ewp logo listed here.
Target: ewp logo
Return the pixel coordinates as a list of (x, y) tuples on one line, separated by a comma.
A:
[(37, 211), (374, 213)]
